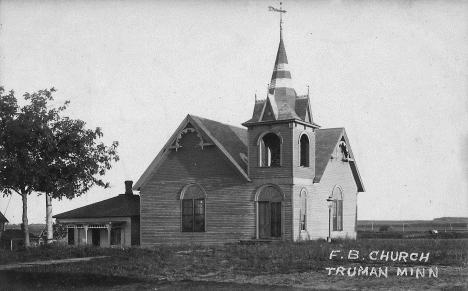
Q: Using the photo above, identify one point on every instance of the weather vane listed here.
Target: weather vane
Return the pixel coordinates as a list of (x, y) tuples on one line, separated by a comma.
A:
[(281, 11)]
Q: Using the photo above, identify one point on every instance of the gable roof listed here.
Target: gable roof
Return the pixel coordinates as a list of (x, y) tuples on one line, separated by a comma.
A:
[(124, 205), (3, 218), (230, 140), (326, 141)]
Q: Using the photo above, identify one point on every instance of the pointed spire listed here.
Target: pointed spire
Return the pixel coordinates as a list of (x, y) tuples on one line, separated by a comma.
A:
[(281, 84)]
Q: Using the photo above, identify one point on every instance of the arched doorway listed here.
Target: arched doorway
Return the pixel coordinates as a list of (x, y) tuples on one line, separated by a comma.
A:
[(269, 212)]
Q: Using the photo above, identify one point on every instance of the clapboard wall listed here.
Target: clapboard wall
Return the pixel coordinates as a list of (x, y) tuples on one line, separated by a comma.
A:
[(229, 207), (337, 173)]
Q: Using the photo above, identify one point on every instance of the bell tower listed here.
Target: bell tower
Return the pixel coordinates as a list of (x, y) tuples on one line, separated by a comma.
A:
[(281, 131)]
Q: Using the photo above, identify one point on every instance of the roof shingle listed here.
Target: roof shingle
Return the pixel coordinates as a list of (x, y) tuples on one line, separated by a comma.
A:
[(3, 218), (325, 142), (124, 205)]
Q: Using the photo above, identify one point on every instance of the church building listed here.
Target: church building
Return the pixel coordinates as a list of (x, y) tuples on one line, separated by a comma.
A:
[(280, 177)]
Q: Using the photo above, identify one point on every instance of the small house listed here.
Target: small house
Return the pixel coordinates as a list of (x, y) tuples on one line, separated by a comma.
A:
[(111, 222)]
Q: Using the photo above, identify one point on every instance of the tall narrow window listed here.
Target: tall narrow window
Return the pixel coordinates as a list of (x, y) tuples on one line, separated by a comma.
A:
[(193, 209), (337, 209), (304, 162), (270, 150), (303, 212)]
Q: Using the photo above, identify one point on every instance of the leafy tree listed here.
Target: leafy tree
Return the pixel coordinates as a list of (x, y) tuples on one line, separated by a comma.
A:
[(40, 151)]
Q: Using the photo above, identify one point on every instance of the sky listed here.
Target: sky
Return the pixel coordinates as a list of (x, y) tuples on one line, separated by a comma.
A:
[(393, 73)]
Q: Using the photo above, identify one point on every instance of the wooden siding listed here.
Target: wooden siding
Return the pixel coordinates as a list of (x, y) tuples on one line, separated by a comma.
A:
[(230, 208), (230, 200), (336, 173), (285, 170)]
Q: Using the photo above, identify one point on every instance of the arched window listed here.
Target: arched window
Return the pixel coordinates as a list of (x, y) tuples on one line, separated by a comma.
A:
[(270, 150), (303, 212), (304, 148), (337, 209), (193, 208)]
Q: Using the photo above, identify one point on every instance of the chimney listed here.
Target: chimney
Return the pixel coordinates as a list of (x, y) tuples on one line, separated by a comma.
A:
[(128, 187)]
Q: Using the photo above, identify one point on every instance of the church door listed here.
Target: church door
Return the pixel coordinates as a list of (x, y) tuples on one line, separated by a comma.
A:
[(275, 217), (264, 219), (269, 199), (269, 219)]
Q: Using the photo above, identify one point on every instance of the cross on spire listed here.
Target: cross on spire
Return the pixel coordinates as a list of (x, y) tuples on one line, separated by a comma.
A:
[(281, 11)]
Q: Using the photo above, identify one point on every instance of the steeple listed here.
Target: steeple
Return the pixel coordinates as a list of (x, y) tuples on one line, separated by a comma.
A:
[(281, 83), (282, 102), (281, 87)]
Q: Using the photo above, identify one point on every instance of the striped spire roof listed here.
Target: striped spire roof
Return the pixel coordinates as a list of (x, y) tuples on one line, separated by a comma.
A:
[(281, 84)]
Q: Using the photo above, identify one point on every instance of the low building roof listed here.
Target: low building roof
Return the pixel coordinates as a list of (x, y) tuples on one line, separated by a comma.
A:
[(10, 234), (3, 218), (124, 205)]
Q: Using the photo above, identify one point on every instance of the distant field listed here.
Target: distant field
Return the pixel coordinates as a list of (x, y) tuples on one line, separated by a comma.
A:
[(414, 225)]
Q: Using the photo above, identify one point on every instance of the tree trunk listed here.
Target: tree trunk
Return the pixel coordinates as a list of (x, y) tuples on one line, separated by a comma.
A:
[(25, 219), (50, 232)]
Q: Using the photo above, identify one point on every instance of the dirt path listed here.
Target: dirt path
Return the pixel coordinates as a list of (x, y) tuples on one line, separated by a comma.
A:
[(50, 262), (449, 278)]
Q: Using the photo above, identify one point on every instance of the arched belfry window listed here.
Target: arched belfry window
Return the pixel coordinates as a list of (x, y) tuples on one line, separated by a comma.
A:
[(270, 150), (337, 209), (193, 208), (304, 151)]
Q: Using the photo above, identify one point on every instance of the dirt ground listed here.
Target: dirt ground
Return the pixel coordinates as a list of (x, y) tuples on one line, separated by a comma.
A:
[(449, 279)]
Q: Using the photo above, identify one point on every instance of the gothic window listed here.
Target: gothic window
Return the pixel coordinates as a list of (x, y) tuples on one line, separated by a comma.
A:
[(337, 209), (304, 151), (303, 212), (270, 150), (193, 208)]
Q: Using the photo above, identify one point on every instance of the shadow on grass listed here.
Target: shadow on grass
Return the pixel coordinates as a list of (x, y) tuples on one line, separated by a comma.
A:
[(25, 280), (215, 286)]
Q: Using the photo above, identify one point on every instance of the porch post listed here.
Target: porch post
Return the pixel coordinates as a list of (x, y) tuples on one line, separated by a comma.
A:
[(109, 226)]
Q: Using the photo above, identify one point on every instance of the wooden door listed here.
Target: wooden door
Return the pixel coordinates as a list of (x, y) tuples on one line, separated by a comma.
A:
[(96, 236), (264, 219), (275, 223)]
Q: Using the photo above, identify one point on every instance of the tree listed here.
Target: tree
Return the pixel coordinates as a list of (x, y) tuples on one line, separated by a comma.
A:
[(44, 152)]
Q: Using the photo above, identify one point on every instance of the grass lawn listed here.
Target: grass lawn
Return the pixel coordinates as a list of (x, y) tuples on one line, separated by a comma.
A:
[(280, 266)]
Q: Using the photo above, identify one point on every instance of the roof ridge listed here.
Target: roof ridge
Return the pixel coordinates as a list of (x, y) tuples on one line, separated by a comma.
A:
[(218, 122), (331, 128)]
